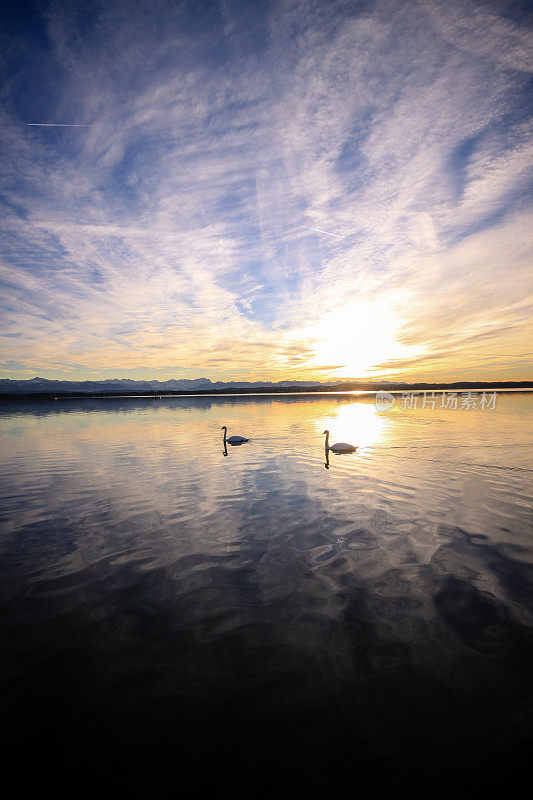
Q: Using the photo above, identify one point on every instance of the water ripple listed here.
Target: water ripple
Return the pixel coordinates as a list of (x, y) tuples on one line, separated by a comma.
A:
[(387, 597)]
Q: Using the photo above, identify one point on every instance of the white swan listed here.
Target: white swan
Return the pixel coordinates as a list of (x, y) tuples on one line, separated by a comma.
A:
[(339, 447), (233, 439)]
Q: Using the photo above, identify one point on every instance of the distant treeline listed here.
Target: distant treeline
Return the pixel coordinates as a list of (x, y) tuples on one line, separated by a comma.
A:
[(344, 387)]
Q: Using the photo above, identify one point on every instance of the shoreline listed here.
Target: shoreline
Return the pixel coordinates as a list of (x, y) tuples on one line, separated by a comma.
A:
[(349, 389)]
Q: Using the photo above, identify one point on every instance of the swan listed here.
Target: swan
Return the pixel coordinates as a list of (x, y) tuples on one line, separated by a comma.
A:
[(233, 439), (339, 447)]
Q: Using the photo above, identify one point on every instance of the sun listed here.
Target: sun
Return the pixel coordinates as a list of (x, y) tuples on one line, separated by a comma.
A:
[(356, 338)]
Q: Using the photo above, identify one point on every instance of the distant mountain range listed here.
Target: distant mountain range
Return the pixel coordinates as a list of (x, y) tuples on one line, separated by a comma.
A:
[(121, 385), (43, 386)]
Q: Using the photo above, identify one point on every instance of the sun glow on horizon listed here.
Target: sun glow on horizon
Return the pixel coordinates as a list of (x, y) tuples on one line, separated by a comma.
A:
[(357, 338)]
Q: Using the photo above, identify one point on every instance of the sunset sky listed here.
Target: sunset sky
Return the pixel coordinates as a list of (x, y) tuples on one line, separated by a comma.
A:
[(267, 190)]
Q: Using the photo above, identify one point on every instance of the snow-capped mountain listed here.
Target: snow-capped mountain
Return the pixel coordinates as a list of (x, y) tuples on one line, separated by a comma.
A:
[(118, 385)]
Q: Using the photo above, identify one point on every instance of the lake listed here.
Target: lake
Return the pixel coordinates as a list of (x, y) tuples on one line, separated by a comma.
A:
[(172, 608)]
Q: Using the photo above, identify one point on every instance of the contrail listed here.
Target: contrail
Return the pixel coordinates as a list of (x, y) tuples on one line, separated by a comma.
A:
[(55, 125), (225, 12), (319, 231)]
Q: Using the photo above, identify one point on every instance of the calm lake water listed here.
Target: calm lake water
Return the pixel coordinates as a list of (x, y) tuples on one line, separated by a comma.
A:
[(166, 603)]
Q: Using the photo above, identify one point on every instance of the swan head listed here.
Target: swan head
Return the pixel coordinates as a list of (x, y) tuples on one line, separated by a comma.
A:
[(323, 432), (224, 428)]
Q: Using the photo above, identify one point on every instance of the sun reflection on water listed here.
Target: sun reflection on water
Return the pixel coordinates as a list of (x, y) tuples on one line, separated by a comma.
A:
[(356, 423)]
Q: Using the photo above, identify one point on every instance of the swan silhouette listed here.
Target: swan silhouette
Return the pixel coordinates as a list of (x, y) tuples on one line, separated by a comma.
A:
[(233, 439), (339, 447)]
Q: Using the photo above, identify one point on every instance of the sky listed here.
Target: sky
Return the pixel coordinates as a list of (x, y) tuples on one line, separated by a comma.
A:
[(267, 190)]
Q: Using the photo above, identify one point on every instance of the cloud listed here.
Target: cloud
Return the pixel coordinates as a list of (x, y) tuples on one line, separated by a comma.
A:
[(477, 28), (174, 234)]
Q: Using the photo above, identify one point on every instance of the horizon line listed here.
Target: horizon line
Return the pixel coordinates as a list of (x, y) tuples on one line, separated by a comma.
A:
[(432, 381)]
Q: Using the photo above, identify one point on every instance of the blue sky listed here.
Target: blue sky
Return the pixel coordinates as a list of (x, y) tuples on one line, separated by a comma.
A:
[(170, 234)]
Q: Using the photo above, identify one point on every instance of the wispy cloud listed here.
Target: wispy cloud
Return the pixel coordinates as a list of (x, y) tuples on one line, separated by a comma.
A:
[(166, 236), (55, 125)]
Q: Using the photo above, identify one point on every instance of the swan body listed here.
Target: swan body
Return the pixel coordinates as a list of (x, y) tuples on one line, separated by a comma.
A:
[(339, 447), (233, 439), (343, 447)]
